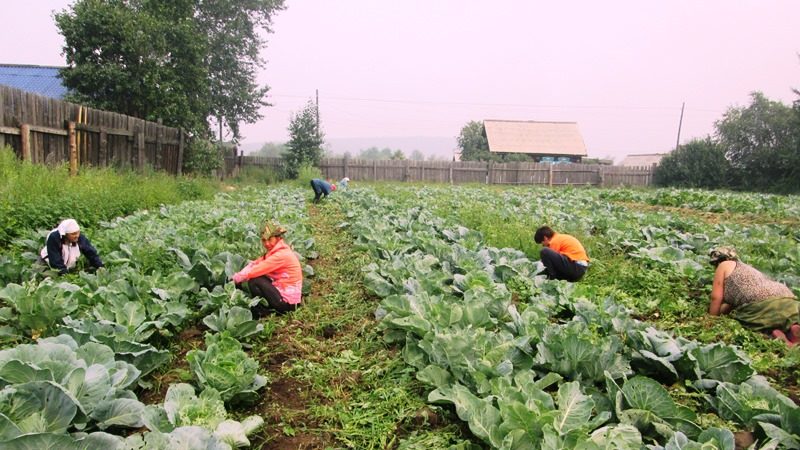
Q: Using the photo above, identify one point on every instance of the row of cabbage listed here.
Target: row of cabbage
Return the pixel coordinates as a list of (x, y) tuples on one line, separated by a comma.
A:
[(662, 239), (78, 350), (552, 371), (765, 205)]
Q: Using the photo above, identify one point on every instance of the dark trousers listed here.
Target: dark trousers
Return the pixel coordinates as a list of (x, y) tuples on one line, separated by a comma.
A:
[(559, 267), (318, 192), (262, 287)]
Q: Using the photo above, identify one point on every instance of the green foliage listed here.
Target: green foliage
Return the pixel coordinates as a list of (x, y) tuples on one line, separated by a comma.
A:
[(762, 142), (473, 142), (203, 157), (224, 366), (374, 153), (257, 175), (305, 142), (182, 61), (94, 195), (272, 150), (700, 163), (306, 173)]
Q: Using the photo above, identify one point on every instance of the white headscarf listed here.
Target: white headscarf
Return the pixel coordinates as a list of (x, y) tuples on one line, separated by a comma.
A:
[(68, 226)]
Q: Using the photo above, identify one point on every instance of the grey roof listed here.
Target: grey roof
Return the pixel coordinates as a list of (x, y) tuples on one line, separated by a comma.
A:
[(541, 138), (642, 159), (42, 80)]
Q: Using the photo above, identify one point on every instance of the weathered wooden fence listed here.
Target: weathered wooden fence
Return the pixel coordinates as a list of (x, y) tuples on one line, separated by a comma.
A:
[(468, 171), (45, 130)]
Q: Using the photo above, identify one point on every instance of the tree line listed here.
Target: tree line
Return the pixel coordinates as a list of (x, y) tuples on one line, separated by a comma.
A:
[(754, 147)]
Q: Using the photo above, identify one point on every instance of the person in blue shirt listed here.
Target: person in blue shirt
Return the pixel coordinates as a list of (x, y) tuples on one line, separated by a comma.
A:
[(321, 188), (65, 244)]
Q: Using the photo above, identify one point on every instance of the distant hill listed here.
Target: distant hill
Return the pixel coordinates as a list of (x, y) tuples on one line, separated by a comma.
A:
[(439, 147)]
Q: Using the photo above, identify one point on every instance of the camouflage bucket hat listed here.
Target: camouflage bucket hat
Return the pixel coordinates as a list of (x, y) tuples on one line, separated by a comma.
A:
[(722, 253), (272, 230)]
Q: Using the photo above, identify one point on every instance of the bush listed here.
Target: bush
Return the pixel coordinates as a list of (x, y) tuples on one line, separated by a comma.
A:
[(203, 157), (699, 164), (306, 173), (93, 196), (257, 175)]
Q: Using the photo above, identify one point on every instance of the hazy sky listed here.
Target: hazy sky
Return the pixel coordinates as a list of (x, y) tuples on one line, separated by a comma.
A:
[(621, 69)]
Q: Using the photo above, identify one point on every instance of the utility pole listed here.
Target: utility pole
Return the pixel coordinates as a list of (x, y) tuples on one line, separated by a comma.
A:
[(317, 90), (680, 122), (220, 129)]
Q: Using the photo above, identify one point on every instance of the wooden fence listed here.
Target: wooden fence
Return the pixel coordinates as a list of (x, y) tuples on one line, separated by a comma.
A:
[(45, 130), (467, 172)]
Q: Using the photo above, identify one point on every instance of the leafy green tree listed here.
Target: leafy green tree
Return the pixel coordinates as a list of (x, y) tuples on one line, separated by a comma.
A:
[(700, 163), (183, 61), (473, 142), (305, 142), (417, 155), (398, 155), (233, 38), (272, 150), (761, 142)]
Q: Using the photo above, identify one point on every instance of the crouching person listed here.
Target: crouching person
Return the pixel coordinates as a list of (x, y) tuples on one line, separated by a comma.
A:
[(65, 244), (276, 277)]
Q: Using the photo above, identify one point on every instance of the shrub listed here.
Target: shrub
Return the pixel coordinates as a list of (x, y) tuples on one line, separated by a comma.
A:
[(306, 173), (203, 157)]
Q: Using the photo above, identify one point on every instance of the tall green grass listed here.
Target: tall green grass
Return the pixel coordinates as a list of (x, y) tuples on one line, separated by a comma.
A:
[(38, 197)]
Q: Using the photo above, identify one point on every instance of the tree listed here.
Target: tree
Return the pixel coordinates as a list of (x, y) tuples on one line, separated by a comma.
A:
[(761, 141), (305, 142), (179, 60), (417, 155), (272, 150), (232, 32), (398, 155), (473, 142), (700, 163)]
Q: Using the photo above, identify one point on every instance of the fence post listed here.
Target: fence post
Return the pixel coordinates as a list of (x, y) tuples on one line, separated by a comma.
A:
[(451, 172), (489, 168), (159, 145), (550, 176), (375, 170), (102, 158), (180, 152), (406, 169), (25, 140), (2, 118), (345, 162), (73, 149), (422, 171), (140, 146), (601, 175)]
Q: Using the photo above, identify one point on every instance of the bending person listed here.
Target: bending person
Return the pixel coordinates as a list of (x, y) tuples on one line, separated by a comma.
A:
[(321, 188), (276, 277), (65, 244), (752, 298), (563, 256)]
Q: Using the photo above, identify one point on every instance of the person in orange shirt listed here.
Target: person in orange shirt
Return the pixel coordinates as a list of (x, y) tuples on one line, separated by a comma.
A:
[(563, 256), (277, 276)]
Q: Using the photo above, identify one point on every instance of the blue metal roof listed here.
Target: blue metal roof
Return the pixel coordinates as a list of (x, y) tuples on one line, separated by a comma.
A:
[(42, 80)]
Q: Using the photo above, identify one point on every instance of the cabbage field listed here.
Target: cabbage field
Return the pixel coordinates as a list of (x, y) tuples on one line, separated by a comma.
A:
[(425, 325)]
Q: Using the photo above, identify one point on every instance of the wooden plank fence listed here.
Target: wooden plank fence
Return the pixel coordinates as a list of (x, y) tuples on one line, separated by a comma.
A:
[(467, 172), (48, 131)]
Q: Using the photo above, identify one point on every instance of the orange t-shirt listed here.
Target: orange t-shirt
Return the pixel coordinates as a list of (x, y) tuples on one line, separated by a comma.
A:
[(568, 246)]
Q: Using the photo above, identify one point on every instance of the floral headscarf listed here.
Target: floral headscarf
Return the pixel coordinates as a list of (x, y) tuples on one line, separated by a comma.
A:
[(722, 253), (272, 230)]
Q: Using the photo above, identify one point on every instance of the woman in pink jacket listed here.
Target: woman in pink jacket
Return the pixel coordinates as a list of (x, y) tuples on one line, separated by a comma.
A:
[(277, 276)]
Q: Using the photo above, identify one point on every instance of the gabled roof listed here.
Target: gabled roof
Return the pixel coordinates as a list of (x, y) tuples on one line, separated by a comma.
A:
[(642, 159), (545, 138), (42, 80)]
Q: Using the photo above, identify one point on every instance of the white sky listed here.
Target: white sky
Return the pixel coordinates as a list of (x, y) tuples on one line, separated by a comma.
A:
[(422, 68)]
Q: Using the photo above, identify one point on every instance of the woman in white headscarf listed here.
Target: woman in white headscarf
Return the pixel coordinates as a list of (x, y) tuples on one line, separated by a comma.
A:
[(65, 244)]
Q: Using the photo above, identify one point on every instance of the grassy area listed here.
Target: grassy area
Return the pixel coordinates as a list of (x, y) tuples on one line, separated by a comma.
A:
[(35, 196)]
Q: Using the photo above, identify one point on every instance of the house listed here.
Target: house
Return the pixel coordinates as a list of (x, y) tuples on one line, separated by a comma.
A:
[(41, 80), (544, 141), (642, 159)]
